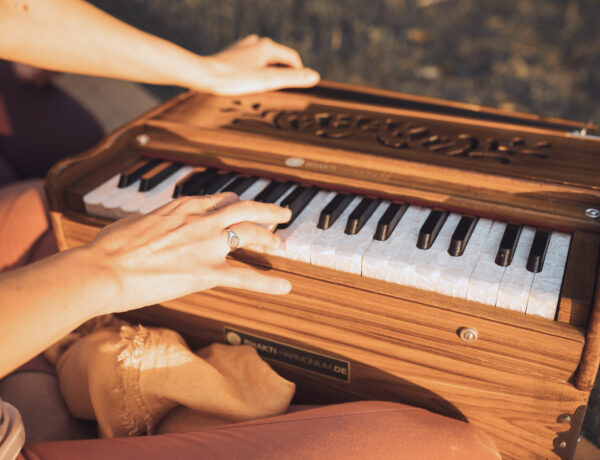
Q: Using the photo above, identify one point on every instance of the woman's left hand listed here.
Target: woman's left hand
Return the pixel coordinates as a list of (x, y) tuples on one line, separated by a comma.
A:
[(255, 64)]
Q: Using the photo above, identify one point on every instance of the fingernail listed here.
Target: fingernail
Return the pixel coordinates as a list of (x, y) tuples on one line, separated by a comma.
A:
[(289, 213), (311, 76), (285, 286)]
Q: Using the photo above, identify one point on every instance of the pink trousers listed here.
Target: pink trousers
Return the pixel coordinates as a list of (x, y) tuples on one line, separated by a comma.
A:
[(363, 430)]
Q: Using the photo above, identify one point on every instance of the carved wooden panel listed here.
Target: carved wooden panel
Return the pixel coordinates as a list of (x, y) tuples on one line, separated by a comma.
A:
[(396, 133)]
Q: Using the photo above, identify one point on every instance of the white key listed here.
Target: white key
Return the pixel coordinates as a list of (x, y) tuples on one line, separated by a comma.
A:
[(399, 265), (545, 290), (428, 264), (350, 250), (93, 199), (376, 258), (454, 279), (322, 251), (110, 207), (298, 244), (165, 195), (516, 282), (486, 277), (315, 206), (137, 200)]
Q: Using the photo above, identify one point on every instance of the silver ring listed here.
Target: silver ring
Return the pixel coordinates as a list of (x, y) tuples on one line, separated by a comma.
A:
[(233, 240), (212, 201)]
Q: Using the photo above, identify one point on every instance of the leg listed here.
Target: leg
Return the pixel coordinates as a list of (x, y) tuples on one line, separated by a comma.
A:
[(37, 397), (366, 430)]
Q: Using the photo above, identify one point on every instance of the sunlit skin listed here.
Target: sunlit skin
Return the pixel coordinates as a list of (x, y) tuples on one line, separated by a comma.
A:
[(176, 250), (76, 37)]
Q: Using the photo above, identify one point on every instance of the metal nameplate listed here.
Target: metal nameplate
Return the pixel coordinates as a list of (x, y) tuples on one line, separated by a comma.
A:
[(269, 349)]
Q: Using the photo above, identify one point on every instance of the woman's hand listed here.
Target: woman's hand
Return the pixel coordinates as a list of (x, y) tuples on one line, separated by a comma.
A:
[(257, 64), (181, 248)]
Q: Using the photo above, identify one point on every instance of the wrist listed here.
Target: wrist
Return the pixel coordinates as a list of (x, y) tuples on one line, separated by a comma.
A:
[(101, 279), (205, 75)]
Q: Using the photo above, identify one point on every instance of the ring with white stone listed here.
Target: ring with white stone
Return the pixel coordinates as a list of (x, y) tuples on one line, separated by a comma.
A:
[(233, 240), (212, 201)]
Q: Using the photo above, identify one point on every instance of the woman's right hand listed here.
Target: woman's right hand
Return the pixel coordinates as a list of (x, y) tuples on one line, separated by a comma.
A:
[(181, 248)]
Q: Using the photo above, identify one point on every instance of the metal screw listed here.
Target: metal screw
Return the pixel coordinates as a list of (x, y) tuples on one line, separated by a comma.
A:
[(566, 418), (233, 338), (142, 139), (592, 213), (468, 334), (562, 444)]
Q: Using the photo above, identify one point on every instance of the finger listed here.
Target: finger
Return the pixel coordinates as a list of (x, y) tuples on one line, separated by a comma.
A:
[(248, 40), (251, 211), (272, 78), (251, 280), (245, 42), (197, 204), (250, 234), (269, 79), (276, 53)]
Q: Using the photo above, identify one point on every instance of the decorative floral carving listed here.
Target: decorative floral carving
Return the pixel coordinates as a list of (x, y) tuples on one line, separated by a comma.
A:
[(392, 132)]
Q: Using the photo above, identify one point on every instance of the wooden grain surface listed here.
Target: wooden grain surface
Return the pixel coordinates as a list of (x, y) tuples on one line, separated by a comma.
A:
[(511, 382), (514, 381)]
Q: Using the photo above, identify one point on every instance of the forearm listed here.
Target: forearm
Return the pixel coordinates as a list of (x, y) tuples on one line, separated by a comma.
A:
[(74, 36), (42, 302)]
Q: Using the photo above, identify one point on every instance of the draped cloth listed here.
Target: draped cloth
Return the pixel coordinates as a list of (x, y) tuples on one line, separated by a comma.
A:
[(135, 380)]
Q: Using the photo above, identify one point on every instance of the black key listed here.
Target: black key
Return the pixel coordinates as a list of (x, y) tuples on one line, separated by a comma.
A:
[(333, 210), (158, 174), (461, 235), (361, 214), (272, 192), (241, 184), (193, 181), (389, 220), (215, 184), (535, 262), (506, 251), (297, 201), (430, 229), (135, 171)]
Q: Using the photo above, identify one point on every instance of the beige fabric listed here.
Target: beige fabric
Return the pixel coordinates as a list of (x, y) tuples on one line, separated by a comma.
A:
[(129, 378)]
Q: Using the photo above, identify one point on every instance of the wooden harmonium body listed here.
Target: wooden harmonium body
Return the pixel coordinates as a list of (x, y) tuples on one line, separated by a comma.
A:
[(442, 255)]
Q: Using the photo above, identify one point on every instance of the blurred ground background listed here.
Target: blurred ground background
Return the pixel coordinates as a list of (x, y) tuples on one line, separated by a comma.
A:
[(534, 56)]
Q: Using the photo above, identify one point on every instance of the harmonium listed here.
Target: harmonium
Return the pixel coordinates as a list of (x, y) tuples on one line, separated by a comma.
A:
[(443, 255)]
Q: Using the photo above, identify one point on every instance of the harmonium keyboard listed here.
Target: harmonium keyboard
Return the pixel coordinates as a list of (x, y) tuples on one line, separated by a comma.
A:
[(441, 254)]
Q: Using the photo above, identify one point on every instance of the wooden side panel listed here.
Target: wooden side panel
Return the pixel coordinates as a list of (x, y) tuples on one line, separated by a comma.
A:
[(518, 409), (578, 286)]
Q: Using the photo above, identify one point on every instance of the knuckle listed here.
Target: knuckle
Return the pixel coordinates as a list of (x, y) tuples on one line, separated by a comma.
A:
[(266, 41), (229, 196), (185, 203), (246, 206)]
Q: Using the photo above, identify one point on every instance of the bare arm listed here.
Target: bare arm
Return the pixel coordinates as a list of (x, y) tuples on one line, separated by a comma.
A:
[(74, 36), (173, 251)]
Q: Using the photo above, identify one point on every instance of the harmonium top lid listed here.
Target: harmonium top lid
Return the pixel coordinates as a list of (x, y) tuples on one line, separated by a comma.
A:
[(387, 144), (390, 130)]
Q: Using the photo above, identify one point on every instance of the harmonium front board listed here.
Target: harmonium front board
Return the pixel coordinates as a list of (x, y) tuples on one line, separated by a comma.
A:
[(443, 255)]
